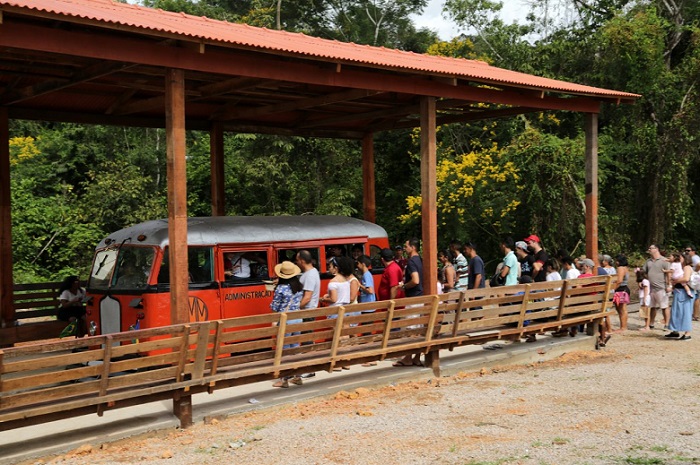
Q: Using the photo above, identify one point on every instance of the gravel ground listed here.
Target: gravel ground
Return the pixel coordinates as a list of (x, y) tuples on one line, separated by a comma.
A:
[(635, 402)]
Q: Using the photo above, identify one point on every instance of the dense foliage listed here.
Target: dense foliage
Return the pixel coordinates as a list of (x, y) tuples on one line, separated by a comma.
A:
[(73, 184)]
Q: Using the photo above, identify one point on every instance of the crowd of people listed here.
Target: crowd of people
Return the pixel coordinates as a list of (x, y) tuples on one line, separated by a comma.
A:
[(662, 276)]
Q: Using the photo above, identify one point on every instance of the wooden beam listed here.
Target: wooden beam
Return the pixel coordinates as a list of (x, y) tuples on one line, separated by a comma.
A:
[(218, 183), (7, 310), (368, 179), (591, 129), (232, 63), (321, 100), (177, 194), (464, 118), (45, 87), (428, 176)]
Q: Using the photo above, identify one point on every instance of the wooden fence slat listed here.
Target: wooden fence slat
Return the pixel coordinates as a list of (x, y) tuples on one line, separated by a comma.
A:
[(282, 326)]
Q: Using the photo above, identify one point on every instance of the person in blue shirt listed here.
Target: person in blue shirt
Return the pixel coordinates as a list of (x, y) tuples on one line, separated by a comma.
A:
[(367, 281)]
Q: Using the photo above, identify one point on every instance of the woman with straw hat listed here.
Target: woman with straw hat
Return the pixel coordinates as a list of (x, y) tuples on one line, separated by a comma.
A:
[(287, 297)]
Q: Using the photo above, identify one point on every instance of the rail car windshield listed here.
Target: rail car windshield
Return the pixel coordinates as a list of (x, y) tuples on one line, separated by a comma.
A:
[(123, 267)]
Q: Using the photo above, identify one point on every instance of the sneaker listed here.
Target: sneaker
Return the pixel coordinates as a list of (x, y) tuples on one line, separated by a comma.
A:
[(70, 330), (296, 380), (308, 375), (684, 337), (672, 334)]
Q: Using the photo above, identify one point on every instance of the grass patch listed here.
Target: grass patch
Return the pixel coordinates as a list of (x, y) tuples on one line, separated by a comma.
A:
[(560, 441)]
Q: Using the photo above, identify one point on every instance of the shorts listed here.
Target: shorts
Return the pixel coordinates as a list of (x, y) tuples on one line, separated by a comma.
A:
[(659, 299)]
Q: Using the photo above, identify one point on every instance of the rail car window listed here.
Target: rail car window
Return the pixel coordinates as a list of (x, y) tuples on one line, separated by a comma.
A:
[(291, 255), (245, 266), (200, 266), (133, 268), (376, 257), (102, 268)]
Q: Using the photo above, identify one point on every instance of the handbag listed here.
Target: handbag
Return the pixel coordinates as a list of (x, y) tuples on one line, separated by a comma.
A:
[(497, 280)]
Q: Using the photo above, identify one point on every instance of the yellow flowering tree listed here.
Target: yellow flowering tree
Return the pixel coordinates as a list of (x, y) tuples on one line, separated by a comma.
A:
[(477, 195)]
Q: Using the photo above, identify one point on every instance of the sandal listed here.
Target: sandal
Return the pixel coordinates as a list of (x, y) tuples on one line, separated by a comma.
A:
[(283, 383)]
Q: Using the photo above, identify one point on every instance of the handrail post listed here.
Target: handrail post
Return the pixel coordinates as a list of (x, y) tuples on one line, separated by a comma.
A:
[(562, 300), (279, 348), (337, 333), (458, 314), (182, 402), (106, 369), (387, 326), (523, 308)]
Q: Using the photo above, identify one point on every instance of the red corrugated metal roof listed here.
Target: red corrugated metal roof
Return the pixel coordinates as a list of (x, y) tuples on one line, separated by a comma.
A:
[(205, 29)]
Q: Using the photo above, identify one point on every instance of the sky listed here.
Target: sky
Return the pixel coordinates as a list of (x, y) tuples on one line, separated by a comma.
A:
[(513, 10)]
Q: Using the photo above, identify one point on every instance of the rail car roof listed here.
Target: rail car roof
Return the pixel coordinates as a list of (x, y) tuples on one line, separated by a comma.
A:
[(248, 229)]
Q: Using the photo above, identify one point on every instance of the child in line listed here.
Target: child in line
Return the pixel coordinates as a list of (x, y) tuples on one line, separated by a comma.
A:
[(644, 299), (676, 271)]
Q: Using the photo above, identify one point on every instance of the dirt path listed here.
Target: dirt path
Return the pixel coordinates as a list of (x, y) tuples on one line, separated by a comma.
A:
[(635, 402)]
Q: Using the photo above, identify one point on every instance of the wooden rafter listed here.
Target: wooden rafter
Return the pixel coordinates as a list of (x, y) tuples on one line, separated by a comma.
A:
[(87, 74)]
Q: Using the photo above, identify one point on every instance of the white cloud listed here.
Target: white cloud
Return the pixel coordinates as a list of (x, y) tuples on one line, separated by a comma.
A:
[(513, 10)]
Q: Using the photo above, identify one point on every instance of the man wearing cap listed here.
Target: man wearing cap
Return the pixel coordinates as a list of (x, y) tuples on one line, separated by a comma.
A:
[(540, 256), (525, 258), (399, 257), (392, 278), (659, 284)]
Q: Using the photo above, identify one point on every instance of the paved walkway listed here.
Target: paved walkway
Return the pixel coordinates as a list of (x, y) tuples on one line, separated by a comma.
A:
[(65, 435)]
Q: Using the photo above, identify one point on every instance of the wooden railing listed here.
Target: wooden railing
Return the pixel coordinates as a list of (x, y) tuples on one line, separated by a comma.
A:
[(49, 381), (35, 307)]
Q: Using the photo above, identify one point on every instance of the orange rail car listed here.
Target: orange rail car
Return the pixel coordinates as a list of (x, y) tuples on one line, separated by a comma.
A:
[(230, 259)]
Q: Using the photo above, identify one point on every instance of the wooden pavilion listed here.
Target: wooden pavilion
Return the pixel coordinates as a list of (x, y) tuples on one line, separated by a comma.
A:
[(104, 62)]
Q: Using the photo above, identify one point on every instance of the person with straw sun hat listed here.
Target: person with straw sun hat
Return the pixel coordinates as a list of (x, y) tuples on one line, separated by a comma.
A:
[(287, 298)]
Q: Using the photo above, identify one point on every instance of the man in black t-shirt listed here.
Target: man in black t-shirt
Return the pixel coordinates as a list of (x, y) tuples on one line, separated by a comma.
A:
[(525, 258), (477, 274), (413, 276), (539, 274)]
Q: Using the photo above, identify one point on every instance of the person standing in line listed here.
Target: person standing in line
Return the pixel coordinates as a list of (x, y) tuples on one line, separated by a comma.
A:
[(622, 292), (587, 267), (660, 284), (287, 297), (366, 281), (413, 287), (525, 258), (399, 257), (511, 267), (695, 264), (534, 245), (461, 265), (682, 311), (311, 287), (477, 273), (390, 284), (644, 298), (310, 280), (448, 274), (552, 270), (571, 271)]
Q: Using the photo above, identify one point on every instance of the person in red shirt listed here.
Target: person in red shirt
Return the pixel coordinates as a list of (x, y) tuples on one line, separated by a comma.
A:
[(390, 284)]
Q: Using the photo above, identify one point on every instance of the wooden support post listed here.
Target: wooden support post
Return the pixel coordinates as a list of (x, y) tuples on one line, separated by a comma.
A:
[(7, 309), (369, 202), (591, 128), (182, 408), (428, 174), (432, 361), (177, 194), (216, 156)]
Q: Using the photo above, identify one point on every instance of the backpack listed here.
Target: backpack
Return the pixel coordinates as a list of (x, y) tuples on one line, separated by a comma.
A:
[(694, 281)]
